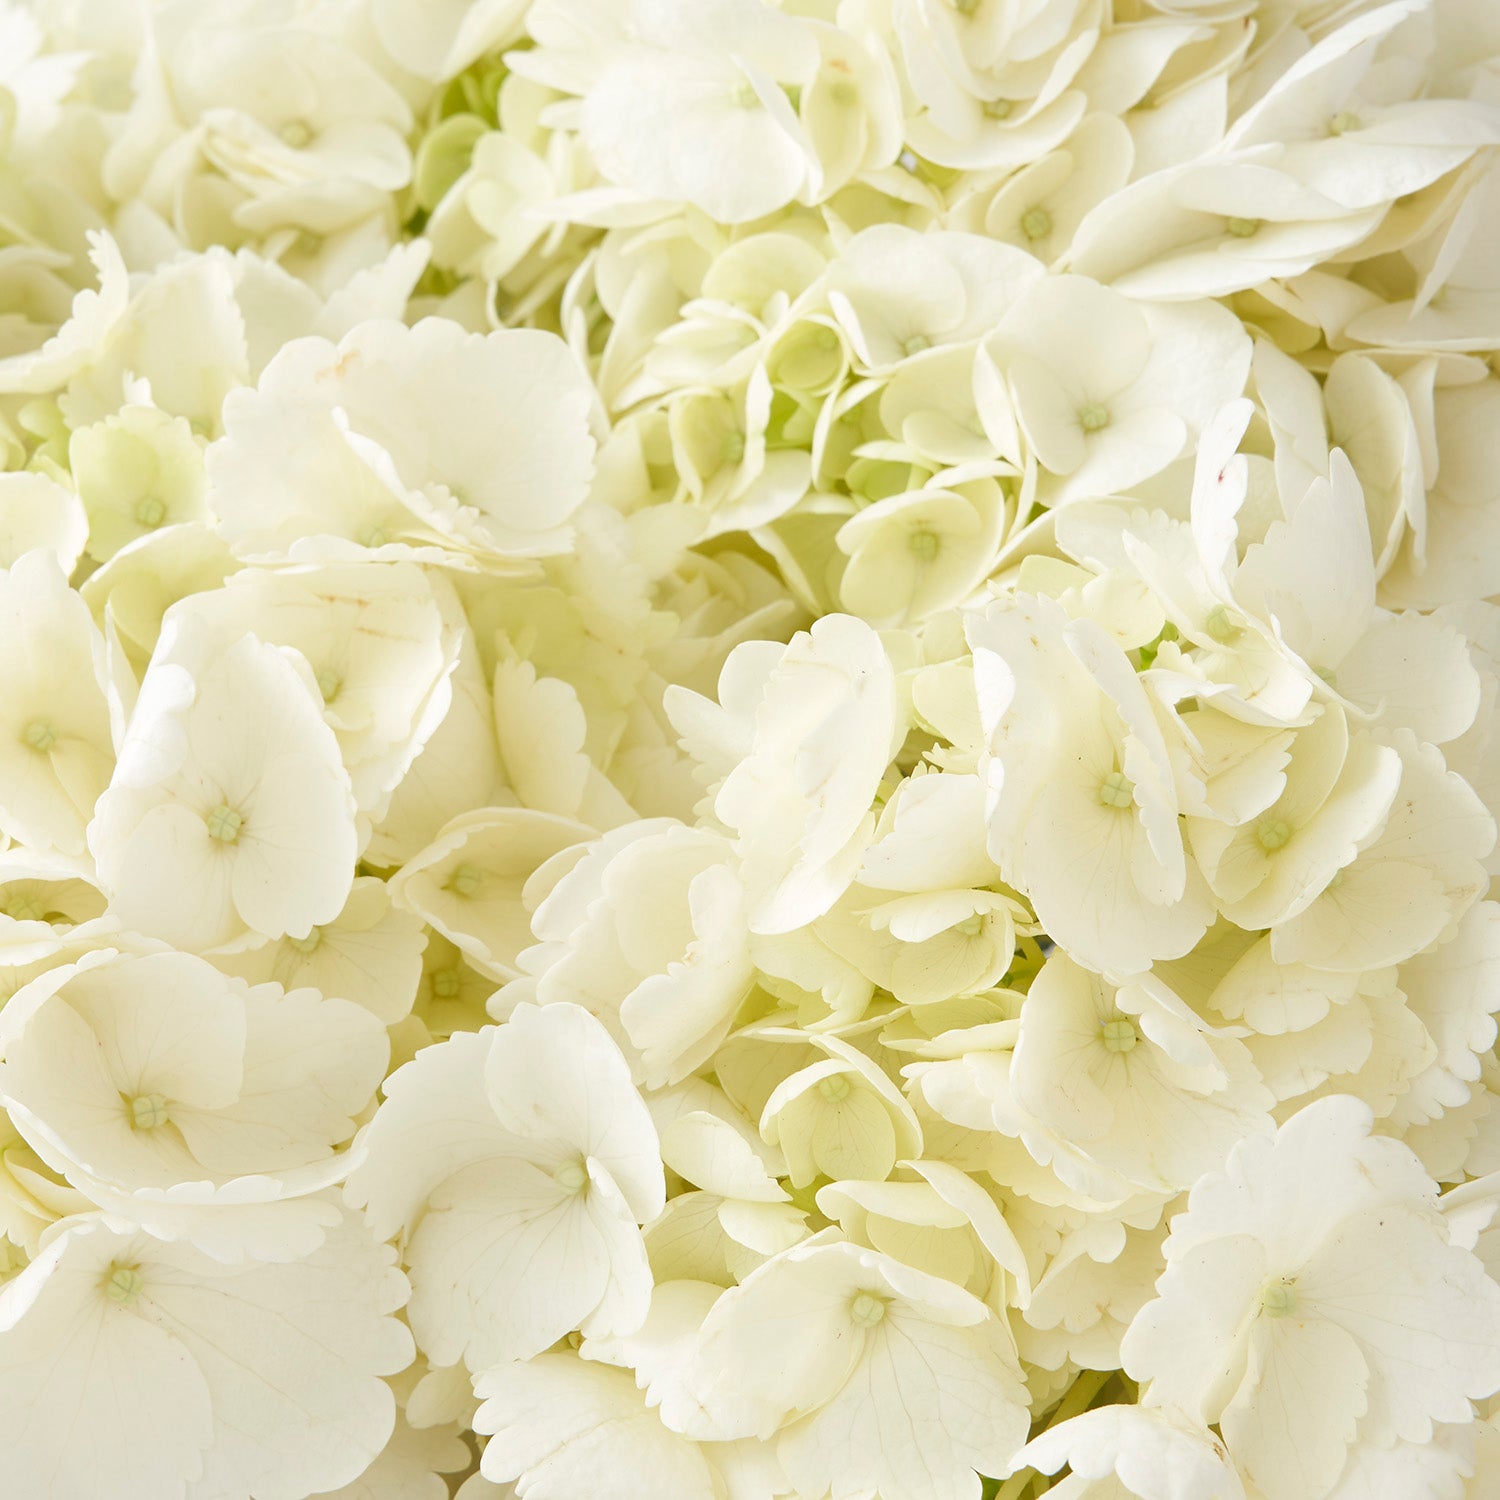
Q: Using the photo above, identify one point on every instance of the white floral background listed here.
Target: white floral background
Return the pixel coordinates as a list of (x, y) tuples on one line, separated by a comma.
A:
[(749, 751)]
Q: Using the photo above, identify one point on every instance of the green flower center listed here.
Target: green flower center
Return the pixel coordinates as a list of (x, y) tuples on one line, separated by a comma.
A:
[(466, 880), (1220, 625), (834, 1088), (1116, 790), (571, 1176), (123, 1285), (148, 1111), (1272, 833), (1243, 229), (151, 512), (41, 735), (867, 1310), (924, 545), (224, 824), (24, 907), (1036, 223), (1119, 1035), (1279, 1299), (1092, 417), (445, 984), (296, 133)]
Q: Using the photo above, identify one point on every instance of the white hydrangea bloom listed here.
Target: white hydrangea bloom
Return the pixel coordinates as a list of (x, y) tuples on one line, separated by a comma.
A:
[(646, 929), (230, 812), (1273, 1319), (438, 42), (470, 883), (136, 471), (56, 751), (861, 1325), (78, 334), (425, 436), (1101, 386), (39, 514), (941, 1221), (148, 1368), (896, 294), (1307, 170), (262, 117), (1337, 792), (839, 1116), (808, 688), (1093, 839), (798, 743), (520, 1160), (991, 83), (556, 1421), (1410, 884), (152, 1083), (913, 555), (370, 953), (382, 641), (1406, 668), (1152, 1453), (1451, 991), (683, 101), (1131, 1078)]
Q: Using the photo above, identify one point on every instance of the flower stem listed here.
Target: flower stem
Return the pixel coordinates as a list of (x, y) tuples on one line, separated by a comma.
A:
[(1080, 1393), (1013, 1487)]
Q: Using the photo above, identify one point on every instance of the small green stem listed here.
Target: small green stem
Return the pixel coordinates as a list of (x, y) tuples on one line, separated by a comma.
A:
[(1016, 1485), (1080, 1393)]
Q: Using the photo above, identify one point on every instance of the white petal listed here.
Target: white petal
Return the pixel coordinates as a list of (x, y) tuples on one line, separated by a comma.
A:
[(564, 1428)]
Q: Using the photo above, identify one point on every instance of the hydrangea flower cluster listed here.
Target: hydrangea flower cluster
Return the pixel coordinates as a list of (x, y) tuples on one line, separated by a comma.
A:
[(749, 750)]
